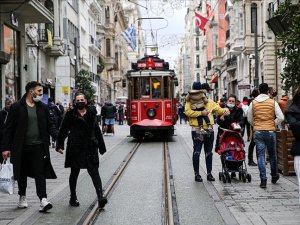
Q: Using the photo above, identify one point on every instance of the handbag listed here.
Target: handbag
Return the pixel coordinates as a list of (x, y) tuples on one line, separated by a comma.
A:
[(203, 134), (7, 181)]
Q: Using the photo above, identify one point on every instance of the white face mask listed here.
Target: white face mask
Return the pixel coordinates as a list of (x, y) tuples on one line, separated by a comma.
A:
[(230, 105), (36, 98)]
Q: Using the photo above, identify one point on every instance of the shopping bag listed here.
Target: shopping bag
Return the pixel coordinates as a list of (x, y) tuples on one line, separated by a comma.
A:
[(7, 181)]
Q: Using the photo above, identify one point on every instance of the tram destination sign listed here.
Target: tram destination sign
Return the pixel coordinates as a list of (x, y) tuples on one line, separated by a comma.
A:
[(244, 86)]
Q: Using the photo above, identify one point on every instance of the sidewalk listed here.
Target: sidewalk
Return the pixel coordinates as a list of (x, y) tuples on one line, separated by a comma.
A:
[(277, 204)]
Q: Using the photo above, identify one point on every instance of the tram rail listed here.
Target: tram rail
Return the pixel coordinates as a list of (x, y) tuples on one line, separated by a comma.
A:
[(170, 207)]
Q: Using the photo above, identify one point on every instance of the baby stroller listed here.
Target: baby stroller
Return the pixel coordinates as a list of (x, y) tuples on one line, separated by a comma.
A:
[(232, 156)]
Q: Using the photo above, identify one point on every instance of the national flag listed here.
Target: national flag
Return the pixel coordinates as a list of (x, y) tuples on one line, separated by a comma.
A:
[(130, 36), (200, 21)]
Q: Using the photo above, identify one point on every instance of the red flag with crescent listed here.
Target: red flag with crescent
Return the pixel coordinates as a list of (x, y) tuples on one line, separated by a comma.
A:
[(200, 21)]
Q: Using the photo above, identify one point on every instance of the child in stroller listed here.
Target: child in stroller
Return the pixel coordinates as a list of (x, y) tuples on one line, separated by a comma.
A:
[(232, 156)]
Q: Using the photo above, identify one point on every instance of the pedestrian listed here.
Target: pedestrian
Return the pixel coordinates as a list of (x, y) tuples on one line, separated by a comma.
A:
[(251, 162), (293, 119), (181, 113), (55, 116), (26, 141), (108, 112), (199, 139), (62, 111), (3, 118), (282, 103), (197, 100), (246, 125), (121, 114), (234, 121), (261, 116), (81, 128)]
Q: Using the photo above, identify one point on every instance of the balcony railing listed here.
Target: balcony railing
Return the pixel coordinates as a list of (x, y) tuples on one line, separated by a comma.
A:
[(231, 62)]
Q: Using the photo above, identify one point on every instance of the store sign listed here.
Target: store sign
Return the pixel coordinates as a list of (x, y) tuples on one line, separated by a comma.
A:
[(244, 86), (14, 20)]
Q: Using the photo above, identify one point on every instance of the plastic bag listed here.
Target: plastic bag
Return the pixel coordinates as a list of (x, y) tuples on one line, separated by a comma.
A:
[(7, 181)]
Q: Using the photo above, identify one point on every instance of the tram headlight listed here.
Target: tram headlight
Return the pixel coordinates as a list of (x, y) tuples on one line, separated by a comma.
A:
[(151, 113)]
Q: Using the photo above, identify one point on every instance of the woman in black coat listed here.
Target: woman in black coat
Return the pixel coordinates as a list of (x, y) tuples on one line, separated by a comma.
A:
[(227, 122), (84, 139), (293, 119)]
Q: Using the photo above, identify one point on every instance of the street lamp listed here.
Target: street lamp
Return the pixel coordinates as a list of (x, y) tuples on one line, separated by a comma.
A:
[(254, 27)]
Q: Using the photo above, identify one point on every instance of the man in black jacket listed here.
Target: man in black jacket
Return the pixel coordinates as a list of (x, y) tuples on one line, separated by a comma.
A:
[(26, 141), (3, 117), (108, 112)]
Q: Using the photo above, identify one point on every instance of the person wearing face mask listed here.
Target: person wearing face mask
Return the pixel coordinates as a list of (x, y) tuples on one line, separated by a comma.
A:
[(3, 117), (84, 139), (234, 121), (26, 141)]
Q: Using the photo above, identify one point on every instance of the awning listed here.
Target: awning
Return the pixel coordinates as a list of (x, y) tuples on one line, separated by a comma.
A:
[(31, 11), (214, 78)]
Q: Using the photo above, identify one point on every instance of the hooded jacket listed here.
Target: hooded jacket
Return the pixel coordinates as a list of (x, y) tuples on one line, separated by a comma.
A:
[(264, 113), (293, 119)]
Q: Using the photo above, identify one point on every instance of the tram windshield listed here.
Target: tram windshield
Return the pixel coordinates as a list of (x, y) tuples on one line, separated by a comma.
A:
[(150, 87)]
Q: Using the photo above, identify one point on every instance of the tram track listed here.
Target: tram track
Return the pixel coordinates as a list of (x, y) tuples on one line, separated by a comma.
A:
[(170, 211)]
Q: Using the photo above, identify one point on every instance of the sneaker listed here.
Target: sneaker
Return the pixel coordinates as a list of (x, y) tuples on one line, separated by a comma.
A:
[(275, 179), (45, 205), (22, 202), (74, 202), (102, 202), (252, 163), (263, 184), (198, 178), (210, 177)]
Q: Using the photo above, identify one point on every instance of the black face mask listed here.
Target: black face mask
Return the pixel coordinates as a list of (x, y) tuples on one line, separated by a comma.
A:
[(80, 105)]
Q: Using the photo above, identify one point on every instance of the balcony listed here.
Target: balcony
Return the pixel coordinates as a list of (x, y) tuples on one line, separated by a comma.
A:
[(92, 44), (95, 7), (231, 63), (31, 11), (109, 63)]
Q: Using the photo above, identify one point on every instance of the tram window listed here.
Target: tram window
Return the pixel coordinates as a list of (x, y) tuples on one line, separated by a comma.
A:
[(135, 91), (156, 87), (166, 88), (145, 87)]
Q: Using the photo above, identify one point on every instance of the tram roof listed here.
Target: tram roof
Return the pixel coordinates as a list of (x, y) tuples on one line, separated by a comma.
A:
[(150, 73)]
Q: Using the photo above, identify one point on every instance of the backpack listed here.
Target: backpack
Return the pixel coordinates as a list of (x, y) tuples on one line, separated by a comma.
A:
[(245, 110)]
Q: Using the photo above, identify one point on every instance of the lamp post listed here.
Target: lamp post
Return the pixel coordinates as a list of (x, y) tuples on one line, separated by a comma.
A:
[(254, 25)]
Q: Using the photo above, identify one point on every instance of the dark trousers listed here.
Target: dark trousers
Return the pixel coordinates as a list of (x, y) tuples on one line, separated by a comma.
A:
[(197, 145), (33, 165), (250, 150), (201, 118), (94, 174)]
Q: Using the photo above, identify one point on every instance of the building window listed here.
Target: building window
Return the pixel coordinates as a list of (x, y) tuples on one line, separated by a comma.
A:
[(74, 4), (241, 23), (253, 17), (197, 61), (271, 9), (197, 44), (11, 70), (198, 77), (108, 51), (107, 15)]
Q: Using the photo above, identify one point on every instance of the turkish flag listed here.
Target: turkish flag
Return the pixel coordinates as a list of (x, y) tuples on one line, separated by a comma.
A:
[(200, 21)]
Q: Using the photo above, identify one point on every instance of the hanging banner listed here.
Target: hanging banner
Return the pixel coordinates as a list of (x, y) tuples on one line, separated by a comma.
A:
[(223, 24)]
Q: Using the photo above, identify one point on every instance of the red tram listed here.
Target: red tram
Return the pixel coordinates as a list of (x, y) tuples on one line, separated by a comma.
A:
[(151, 104)]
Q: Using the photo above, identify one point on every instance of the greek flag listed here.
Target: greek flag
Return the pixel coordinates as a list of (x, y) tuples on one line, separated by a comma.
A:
[(130, 36)]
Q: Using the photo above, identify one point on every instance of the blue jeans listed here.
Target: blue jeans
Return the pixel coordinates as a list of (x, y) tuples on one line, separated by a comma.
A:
[(266, 139), (197, 145)]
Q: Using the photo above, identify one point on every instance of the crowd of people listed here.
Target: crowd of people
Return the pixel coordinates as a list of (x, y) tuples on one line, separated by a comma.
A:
[(258, 117), (27, 124)]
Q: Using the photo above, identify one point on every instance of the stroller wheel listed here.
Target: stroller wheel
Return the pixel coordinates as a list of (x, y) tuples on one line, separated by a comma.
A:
[(224, 178), (228, 178), (248, 176), (220, 176), (244, 177)]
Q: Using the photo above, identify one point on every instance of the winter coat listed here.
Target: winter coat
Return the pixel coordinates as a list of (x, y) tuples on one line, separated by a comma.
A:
[(236, 116), (293, 118), (84, 139), (15, 130), (108, 111)]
